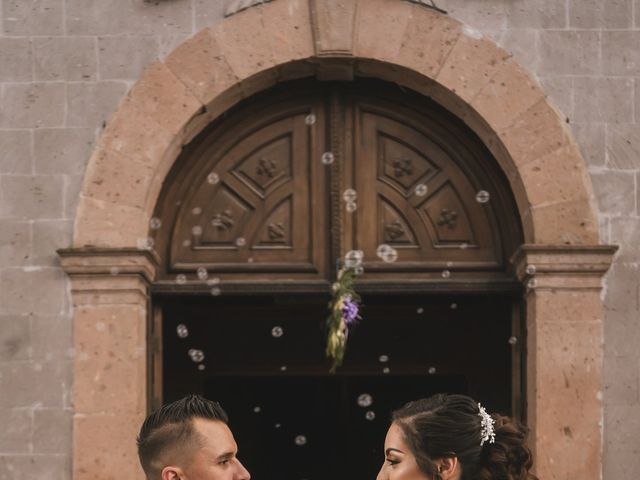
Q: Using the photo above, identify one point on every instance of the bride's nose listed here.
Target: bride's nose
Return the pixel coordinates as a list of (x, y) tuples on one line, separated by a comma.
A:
[(381, 473)]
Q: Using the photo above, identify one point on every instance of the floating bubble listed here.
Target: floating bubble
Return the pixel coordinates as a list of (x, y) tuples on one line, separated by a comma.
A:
[(145, 243), (114, 270), (283, 368), (196, 355), (257, 409), (531, 270), (387, 253), (186, 243), (300, 440), (196, 211), (351, 207), (155, 223), (420, 311), (201, 367), (370, 415), (353, 258), (446, 274), (482, 196), (277, 425), (386, 370), (365, 400), (449, 264), (513, 340), (531, 283), (241, 242), (383, 358), (213, 178), (197, 230), (421, 190), (359, 270), (277, 331), (327, 158), (382, 249), (215, 292), (182, 331), (181, 279), (310, 119), (432, 370), (464, 246), (213, 281), (454, 306), (202, 273), (250, 260), (350, 195)]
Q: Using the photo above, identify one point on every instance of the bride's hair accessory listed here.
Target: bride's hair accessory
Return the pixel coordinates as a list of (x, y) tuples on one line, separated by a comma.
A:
[(487, 432)]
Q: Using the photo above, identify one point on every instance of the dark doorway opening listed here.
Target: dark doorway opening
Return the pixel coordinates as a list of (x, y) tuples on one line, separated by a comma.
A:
[(294, 420)]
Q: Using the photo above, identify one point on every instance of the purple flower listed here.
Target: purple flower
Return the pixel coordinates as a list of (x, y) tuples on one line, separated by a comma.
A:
[(349, 310)]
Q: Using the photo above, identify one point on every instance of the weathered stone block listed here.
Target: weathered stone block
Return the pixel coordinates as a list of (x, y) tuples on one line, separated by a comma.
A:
[(15, 60), (208, 13), (597, 14), (34, 385), (623, 230), (37, 17), (66, 58), (539, 14), (126, 57), (31, 197), (51, 337), (623, 146), (570, 223), (52, 429), (603, 99), (613, 44), (622, 295), (569, 52), (62, 150), (33, 290), (484, 15), (15, 338), (16, 430), (625, 421), (590, 137), (49, 236), (560, 90), (620, 462), (15, 239), (621, 379), (521, 43), (615, 192), (369, 43), (72, 187), (32, 105), (289, 30), (91, 104), (35, 467), (16, 152)]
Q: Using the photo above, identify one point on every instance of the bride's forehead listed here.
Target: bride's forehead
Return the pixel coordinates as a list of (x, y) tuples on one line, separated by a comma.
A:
[(395, 437)]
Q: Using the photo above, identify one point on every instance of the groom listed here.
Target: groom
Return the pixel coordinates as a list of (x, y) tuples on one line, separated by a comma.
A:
[(189, 440)]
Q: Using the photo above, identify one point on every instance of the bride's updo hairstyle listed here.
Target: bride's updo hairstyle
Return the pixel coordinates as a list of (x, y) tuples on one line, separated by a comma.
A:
[(444, 426)]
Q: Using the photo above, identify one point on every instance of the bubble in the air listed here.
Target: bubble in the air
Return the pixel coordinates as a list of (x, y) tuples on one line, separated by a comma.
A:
[(283, 368), (300, 440), (182, 331), (196, 355), (277, 425), (277, 331), (383, 358), (213, 178), (482, 196), (531, 283), (257, 409), (531, 270), (387, 253), (420, 311), (181, 279), (353, 258), (327, 158), (454, 306), (310, 119), (350, 195), (145, 243), (365, 400), (241, 242), (432, 370), (213, 281), (449, 264), (446, 274), (202, 273), (215, 291), (351, 207), (186, 243), (370, 415), (464, 246), (155, 223), (201, 367), (513, 340), (196, 211), (114, 270), (386, 370), (197, 230), (359, 270), (421, 190)]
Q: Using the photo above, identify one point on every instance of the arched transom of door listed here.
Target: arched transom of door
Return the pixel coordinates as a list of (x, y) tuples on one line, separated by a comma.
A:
[(284, 186)]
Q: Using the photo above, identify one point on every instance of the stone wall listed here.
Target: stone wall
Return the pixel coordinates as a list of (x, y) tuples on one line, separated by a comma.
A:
[(65, 64)]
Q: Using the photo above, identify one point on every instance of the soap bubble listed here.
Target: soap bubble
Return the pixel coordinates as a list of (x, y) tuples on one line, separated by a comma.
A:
[(215, 291), (182, 331), (353, 258), (327, 158), (482, 196), (383, 358), (196, 211), (387, 253), (350, 195), (201, 367), (145, 243), (197, 230), (420, 311), (432, 370), (351, 207), (531, 270), (358, 270), (277, 331), (310, 119), (241, 242), (186, 243), (283, 368), (196, 355), (257, 409), (454, 306), (155, 223), (114, 270), (421, 190), (386, 370), (300, 440), (181, 279), (202, 273), (365, 400), (446, 274), (370, 415), (213, 281), (531, 283), (513, 340), (213, 178)]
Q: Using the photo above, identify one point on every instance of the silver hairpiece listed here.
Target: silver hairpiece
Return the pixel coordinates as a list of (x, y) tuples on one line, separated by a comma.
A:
[(486, 422)]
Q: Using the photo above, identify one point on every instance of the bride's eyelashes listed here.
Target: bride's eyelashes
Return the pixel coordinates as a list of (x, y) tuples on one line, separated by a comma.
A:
[(392, 462)]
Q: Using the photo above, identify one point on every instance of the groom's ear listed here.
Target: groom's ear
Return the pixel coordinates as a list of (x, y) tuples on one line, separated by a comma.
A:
[(448, 468), (172, 473)]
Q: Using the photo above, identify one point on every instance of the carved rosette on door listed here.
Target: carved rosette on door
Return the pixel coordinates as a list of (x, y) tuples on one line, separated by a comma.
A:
[(252, 194)]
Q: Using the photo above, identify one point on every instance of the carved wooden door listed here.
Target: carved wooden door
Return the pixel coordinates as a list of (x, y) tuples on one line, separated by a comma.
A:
[(265, 197)]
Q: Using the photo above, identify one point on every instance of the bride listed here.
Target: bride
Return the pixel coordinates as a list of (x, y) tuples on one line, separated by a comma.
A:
[(451, 437)]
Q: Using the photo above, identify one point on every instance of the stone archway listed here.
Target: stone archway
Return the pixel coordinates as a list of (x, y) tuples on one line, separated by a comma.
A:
[(414, 47)]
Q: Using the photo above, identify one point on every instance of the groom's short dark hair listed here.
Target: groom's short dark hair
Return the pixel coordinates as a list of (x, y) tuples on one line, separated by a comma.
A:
[(171, 427)]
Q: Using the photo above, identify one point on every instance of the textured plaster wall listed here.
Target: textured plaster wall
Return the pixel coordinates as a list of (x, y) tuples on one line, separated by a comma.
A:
[(65, 64)]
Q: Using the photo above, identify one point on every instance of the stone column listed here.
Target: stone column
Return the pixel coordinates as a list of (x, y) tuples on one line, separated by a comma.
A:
[(564, 356), (110, 290)]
